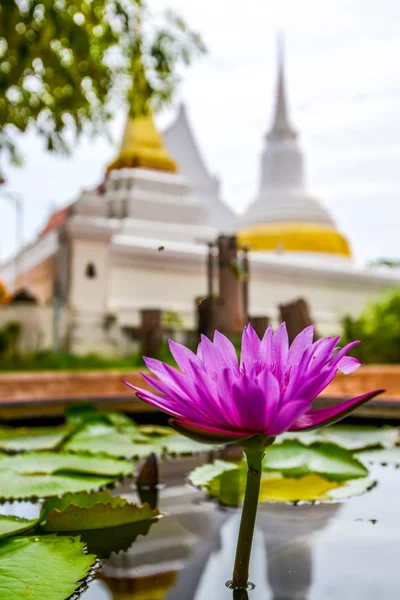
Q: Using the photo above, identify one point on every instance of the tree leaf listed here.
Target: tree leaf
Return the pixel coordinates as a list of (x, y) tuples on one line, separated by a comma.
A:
[(43, 567), (32, 438), (295, 459), (47, 474), (10, 525)]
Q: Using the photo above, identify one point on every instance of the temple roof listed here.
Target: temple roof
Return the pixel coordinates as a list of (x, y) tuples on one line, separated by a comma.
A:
[(181, 142)]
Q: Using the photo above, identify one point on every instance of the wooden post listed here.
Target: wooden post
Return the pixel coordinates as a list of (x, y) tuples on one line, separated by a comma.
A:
[(296, 315), (260, 325), (231, 317), (246, 275), (151, 332), (210, 270), (206, 313)]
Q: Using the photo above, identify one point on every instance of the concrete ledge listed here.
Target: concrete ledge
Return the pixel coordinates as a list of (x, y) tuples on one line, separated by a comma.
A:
[(48, 393)]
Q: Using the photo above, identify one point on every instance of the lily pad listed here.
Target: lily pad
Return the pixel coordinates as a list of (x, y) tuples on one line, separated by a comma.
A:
[(179, 444), (295, 459), (47, 474), (106, 523), (49, 567), (23, 439), (85, 511), (98, 437), (351, 437), (10, 525), (384, 456), (227, 482)]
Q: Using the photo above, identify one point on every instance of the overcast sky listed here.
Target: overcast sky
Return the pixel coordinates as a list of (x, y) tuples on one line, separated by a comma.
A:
[(343, 81)]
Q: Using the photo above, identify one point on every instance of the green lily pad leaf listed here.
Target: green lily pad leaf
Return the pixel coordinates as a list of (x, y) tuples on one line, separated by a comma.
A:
[(10, 525), (47, 474), (96, 437), (49, 567), (106, 523), (156, 430), (58, 462), (179, 444), (389, 456), (92, 511), (351, 437), (227, 483), (23, 439), (295, 459)]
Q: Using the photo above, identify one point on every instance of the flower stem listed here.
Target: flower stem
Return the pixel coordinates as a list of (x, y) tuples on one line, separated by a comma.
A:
[(248, 520)]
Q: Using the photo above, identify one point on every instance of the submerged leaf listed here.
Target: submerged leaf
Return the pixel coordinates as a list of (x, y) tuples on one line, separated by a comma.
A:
[(10, 525), (43, 567)]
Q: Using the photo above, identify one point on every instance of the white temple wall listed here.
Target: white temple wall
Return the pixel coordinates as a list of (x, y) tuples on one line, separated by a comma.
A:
[(174, 289), (329, 300), (89, 293)]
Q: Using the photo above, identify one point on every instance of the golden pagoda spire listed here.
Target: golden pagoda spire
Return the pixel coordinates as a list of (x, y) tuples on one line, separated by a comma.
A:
[(142, 145), (153, 587)]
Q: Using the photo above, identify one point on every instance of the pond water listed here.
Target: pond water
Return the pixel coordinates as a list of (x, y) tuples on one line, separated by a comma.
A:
[(330, 551), (336, 551)]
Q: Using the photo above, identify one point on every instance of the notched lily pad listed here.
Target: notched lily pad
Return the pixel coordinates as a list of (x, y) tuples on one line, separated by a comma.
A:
[(49, 567), (106, 523)]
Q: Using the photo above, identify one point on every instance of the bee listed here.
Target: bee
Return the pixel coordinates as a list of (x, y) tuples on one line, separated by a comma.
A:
[(161, 248)]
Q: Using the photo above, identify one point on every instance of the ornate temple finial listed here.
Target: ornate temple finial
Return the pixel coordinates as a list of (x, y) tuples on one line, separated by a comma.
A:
[(281, 128)]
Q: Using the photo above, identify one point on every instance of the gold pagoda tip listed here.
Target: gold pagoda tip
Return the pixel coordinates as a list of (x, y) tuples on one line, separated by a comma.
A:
[(143, 147)]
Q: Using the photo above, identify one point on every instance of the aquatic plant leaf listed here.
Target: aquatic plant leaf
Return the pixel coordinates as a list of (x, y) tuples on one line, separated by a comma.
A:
[(59, 462), (227, 482), (106, 523), (95, 437), (10, 525), (23, 439), (351, 437), (180, 444), (49, 567), (156, 430), (92, 511), (389, 456), (47, 474), (295, 459)]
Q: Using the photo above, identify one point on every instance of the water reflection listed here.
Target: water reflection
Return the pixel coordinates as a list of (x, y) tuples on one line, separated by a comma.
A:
[(304, 552)]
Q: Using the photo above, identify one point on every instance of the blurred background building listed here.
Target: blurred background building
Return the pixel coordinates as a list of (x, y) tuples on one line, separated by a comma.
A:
[(139, 240)]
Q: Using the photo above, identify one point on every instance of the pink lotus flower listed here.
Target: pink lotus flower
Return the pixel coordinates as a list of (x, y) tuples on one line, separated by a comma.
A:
[(214, 398)]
